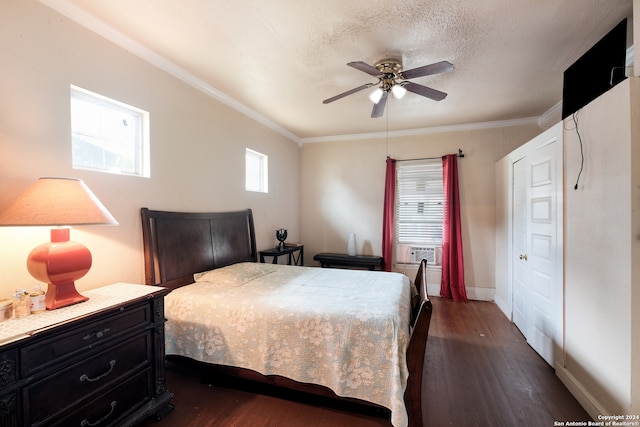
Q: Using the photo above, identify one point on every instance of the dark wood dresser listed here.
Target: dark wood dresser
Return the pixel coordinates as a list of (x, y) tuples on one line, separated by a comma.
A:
[(97, 363)]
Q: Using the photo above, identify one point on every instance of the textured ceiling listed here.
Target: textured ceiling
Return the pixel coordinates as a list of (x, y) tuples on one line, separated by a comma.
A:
[(279, 59)]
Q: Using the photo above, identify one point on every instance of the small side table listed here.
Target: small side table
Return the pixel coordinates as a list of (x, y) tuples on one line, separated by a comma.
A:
[(353, 261), (287, 250)]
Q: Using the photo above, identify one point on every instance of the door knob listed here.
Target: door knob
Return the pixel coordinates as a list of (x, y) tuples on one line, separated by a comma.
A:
[(523, 257)]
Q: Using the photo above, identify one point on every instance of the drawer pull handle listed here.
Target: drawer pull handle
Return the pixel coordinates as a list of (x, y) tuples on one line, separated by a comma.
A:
[(96, 334), (85, 377), (86, 422)]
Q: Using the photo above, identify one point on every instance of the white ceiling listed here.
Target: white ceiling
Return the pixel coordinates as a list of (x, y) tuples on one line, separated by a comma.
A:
[(277, 60)]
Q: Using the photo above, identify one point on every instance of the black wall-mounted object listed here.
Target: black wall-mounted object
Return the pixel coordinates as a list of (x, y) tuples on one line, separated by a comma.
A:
[(598, 70)]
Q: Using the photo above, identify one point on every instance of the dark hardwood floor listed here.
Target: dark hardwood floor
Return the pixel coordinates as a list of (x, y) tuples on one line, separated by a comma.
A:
[(479, 372)]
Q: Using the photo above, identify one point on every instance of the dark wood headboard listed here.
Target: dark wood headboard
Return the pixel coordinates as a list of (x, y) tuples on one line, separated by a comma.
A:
[(179, 244)]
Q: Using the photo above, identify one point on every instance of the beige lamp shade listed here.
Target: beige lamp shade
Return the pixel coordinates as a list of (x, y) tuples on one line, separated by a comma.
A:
[(54, 202)]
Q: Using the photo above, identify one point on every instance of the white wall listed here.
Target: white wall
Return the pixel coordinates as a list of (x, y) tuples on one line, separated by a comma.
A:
[(601, 253), (197, 145), (343, 192)]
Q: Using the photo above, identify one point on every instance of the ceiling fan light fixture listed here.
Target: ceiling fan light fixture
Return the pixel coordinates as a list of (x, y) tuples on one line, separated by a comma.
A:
[(398, 91), (376, 95), (391, 78)]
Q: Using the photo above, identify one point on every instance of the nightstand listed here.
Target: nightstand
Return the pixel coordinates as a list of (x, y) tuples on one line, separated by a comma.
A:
[(99, 362), (287, 250)]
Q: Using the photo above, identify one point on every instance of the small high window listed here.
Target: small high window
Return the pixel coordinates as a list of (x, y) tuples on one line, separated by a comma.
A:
[(107, 135), (256, 172)]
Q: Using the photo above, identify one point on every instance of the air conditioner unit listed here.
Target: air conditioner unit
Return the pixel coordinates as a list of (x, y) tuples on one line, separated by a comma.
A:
[(410, 254), (418, 253)]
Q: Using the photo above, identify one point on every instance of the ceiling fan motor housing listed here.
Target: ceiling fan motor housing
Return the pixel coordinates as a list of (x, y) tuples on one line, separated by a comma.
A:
[(390, 69)]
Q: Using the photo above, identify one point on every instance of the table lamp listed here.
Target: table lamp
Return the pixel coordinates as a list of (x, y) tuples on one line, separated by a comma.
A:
[(60, 202)]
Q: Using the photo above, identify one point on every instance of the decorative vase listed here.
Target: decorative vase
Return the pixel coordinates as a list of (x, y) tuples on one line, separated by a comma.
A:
[(281, 235), (351, 245)]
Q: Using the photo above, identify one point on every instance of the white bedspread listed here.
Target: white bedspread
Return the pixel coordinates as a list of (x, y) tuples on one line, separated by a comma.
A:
[(345, 329)]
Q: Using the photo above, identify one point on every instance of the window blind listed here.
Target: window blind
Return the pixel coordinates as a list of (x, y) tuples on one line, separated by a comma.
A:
[(419, 202)]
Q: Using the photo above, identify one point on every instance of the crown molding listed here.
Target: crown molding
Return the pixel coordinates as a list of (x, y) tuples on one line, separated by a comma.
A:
[(424, 131), (550, 117), (88, 21)]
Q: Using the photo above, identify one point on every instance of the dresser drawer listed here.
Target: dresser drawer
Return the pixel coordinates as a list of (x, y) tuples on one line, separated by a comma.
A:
[(51, 352), (50, 395), (108, 408)]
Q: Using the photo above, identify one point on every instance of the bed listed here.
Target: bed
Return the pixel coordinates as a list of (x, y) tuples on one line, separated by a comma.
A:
[(328, 332)]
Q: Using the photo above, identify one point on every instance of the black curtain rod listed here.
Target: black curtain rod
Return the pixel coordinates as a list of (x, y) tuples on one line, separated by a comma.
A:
[(460, 155)]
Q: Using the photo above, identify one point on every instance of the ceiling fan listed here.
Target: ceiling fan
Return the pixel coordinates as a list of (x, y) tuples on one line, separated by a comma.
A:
[(392, 79)]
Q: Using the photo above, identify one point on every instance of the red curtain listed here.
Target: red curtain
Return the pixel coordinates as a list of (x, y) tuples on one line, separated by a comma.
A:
[(388, 216), (452, 284)]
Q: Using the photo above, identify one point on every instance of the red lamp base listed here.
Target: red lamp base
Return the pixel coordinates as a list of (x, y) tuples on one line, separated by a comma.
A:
[(62, 294), (59, 263)]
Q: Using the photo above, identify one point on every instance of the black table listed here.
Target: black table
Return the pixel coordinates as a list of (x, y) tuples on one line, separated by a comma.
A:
[(327, 259), (287, 250)]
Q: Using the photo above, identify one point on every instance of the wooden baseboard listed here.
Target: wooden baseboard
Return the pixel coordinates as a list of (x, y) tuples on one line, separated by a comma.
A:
[(473, 293), (582, 395), (504, 307)]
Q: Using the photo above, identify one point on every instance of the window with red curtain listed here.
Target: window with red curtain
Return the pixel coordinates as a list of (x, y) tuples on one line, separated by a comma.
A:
[(426, 217), (418, 211)]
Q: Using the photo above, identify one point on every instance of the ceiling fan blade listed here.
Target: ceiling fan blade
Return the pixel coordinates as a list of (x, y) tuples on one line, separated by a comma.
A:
[(436, 95), (427, 70), (349, 92), (378, 109), (359, 65)]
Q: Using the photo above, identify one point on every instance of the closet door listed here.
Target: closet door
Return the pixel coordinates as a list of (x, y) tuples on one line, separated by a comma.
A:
[(536, 246)]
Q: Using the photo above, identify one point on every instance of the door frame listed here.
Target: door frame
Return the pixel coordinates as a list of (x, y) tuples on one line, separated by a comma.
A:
[(504, 274)]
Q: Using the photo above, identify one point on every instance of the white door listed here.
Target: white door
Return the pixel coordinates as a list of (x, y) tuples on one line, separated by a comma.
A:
[(537, 252)]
